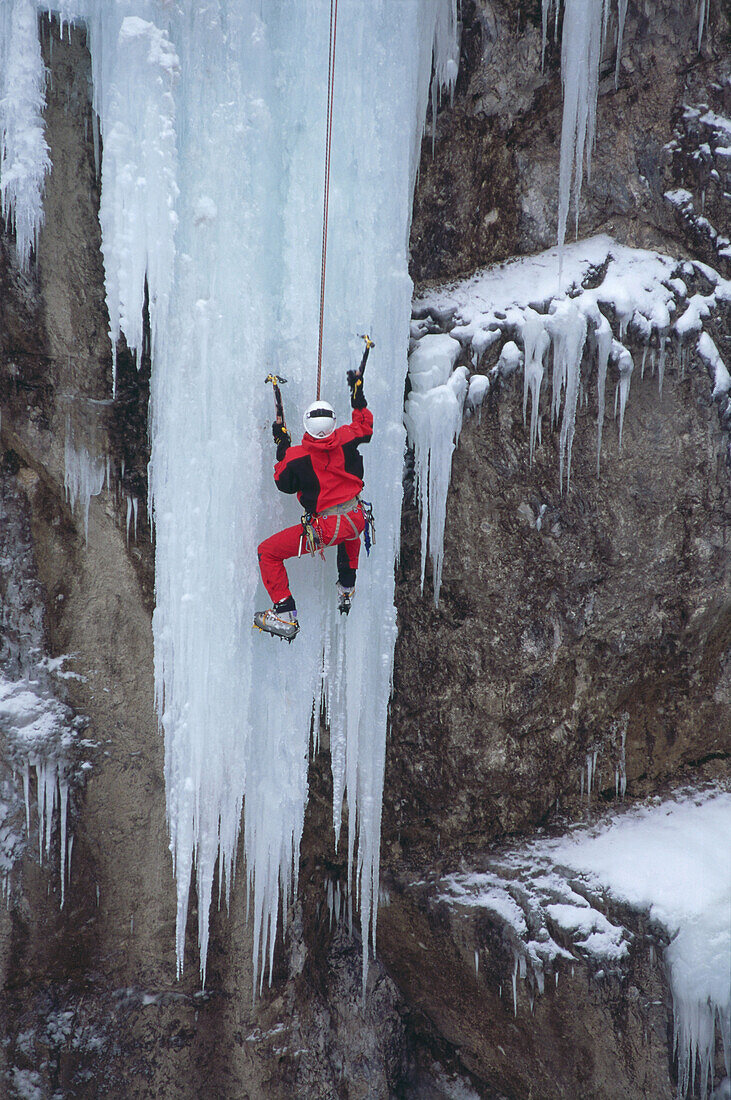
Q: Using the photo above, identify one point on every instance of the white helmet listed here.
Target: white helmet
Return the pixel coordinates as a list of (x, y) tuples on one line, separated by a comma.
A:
[(319, 419)]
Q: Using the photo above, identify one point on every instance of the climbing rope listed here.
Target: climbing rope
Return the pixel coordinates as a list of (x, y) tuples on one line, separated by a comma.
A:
[(326, 197)]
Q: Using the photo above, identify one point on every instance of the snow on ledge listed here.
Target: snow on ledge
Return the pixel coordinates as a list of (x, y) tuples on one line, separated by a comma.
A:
[(619, 304), (39, 733), (670, 860)]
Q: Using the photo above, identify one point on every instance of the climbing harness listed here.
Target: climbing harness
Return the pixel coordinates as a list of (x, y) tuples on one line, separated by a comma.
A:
[(326, 196), (312, 541)]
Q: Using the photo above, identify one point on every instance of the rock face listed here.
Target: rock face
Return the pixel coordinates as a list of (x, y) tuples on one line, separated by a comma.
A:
[(603, 629), (605, 632), (604, 1038), (488, 178)]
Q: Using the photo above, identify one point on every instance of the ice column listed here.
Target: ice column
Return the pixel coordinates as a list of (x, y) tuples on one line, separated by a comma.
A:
[(567, 326), (580, 54), (212, 120), (433, 418), (536, 342), (625, 366), (24, 158), (584, 31), (603, 337), (137, 210), (434, 423), (211, 185), (84, 474)]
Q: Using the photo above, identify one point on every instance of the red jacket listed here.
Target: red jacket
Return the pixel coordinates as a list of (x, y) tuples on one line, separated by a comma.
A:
[(326, 472)]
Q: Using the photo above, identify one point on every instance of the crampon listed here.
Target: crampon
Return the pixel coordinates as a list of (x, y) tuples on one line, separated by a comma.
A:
[(345, 598), (282, 624)]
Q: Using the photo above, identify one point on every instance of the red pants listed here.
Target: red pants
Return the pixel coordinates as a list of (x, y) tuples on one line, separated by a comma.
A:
[(290, 542)]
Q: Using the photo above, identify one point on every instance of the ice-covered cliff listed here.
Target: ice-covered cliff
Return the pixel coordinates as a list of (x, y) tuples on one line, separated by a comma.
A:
[(211, 185)]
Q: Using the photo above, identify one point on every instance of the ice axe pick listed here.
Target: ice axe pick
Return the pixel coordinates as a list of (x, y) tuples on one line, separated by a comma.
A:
[(368, 345), (277, 381)]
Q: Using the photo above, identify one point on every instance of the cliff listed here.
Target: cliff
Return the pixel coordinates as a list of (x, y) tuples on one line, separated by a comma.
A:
[(561, 655)]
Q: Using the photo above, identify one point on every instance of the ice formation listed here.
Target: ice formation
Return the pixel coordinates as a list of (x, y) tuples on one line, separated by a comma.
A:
[(567, 328), (583, 41), (39, 733), (211, 191), (84, 477), (24, 157), (581, 48), (671, 860), (433, 418), (644, 297), (536, 342)]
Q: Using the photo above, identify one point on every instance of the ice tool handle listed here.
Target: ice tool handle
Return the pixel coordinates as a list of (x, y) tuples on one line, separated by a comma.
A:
[(276, 382), (368, 345)]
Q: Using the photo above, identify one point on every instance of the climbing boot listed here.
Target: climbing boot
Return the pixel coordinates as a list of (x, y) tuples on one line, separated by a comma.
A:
[(345, 598), (280, 622)]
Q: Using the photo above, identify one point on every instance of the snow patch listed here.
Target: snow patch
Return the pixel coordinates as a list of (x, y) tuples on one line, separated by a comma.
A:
[(669, 860)]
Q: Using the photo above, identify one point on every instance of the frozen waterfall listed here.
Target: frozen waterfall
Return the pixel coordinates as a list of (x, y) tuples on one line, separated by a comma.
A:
[(587, 26), (212, 117)]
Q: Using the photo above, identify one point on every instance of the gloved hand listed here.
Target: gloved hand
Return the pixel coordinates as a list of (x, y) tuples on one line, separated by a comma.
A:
[(355, 382), (282, 439)]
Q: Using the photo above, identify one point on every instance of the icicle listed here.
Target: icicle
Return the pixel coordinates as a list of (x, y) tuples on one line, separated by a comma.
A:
[(49, 783), (433, 420), (41, 806), (24, 154), (83, 477), (604, 344), (63, 789), (536, 342), (580, 56), (702, 8), (662, 339), (139, 168), (621, 779), (621, 16), (625, 366), (95, 136), (567, 327), (545, 13), (26, 794)]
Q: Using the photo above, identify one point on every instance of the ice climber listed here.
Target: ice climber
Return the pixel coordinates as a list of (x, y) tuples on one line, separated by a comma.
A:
[(326, 473)]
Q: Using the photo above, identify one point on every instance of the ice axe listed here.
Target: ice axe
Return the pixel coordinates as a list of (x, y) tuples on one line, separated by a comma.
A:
[(277, 381), (368, 345)]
